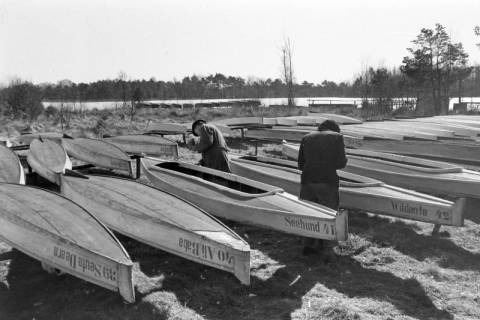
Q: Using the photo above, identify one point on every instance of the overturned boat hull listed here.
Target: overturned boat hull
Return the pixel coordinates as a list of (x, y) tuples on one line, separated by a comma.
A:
[(99, 153), (11, 170), (145, 144), (48, 159), (64, 236), (161, 220)]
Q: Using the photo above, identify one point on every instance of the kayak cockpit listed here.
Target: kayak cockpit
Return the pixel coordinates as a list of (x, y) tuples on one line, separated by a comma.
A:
[(214, 178)]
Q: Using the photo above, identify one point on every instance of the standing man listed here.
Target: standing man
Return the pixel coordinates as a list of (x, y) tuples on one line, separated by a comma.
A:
[(212, 146), (321, 154)]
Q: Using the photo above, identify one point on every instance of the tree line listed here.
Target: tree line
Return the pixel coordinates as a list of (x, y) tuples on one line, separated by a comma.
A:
[(435, 69)]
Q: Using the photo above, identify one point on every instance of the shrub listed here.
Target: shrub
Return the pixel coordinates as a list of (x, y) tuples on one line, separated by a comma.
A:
[(23, 100), (51, 112)]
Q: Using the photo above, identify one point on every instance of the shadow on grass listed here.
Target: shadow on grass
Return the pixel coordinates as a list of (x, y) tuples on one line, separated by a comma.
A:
[(29, 292), (403, 238), (346, 276), (32, 293), (218, 295)]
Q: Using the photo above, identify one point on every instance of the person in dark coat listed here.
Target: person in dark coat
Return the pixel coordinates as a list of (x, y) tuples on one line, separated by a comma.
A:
[(212, 145), (320, 155)]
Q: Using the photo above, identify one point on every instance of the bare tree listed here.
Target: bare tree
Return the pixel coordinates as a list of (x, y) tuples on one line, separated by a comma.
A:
[(288, 71), (122, 80), (477, 33)]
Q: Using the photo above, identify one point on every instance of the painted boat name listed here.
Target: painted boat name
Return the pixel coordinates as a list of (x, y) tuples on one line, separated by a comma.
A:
[(85, 265), (206, 252), (419, 211), (317, 226)]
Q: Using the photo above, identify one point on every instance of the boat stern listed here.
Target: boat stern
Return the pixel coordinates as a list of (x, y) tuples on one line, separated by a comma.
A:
[(242, 267), (341, 225), (458, 210), (125, 282)]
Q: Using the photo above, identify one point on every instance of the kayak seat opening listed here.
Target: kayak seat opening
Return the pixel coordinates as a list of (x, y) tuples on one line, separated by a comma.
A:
[(235, 185)]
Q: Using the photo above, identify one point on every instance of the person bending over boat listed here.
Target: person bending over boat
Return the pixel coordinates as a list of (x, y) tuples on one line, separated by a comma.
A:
[(212, 145), (321, 153)]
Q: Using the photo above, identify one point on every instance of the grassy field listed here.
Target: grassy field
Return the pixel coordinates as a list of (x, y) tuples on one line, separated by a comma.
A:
[(388, 269)]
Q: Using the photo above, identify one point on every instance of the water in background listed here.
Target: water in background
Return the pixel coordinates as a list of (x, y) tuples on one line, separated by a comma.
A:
[(264, 101)]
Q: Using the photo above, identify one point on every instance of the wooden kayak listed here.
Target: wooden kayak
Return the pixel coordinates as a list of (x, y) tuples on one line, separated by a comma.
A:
[(356, 192), (64, 236), (340, 119), (286, 121), (145, 144), (296, 135), (415, 173), (304, 120), (461, 151), (355, 131), (467, 122), (423, 175), (99, 153), (417, 131), (244, 121), (411, 133), (467, 152), (169, 128), (269, 121), (48, 159), (161, 220), (243, 200), (26, 139), (459, 130), (276, 134), (11, 170)]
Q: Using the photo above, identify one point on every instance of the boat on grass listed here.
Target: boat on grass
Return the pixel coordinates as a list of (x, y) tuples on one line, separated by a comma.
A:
[(340, 119), (99, 153), (161, 220), (168, 128), (48, 159), (64, 236), (434, 177), (145, 144), (356, 192), (243, 200), (154, 217), (26, 139), (11, 170), (461, 151)]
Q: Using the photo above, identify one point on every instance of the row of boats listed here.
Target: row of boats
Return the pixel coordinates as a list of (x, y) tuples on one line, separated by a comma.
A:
[(173, 212), (175, 209), (444, 138)]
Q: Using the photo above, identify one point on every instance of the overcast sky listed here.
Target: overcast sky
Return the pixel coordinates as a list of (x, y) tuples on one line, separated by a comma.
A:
[(89, 40)]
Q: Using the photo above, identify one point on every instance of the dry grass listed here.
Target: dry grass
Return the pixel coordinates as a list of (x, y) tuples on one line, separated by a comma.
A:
[(388, 269)]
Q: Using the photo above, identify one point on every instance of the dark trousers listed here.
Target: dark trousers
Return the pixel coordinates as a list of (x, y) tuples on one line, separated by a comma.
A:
[(322, 193), (325, 194)]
